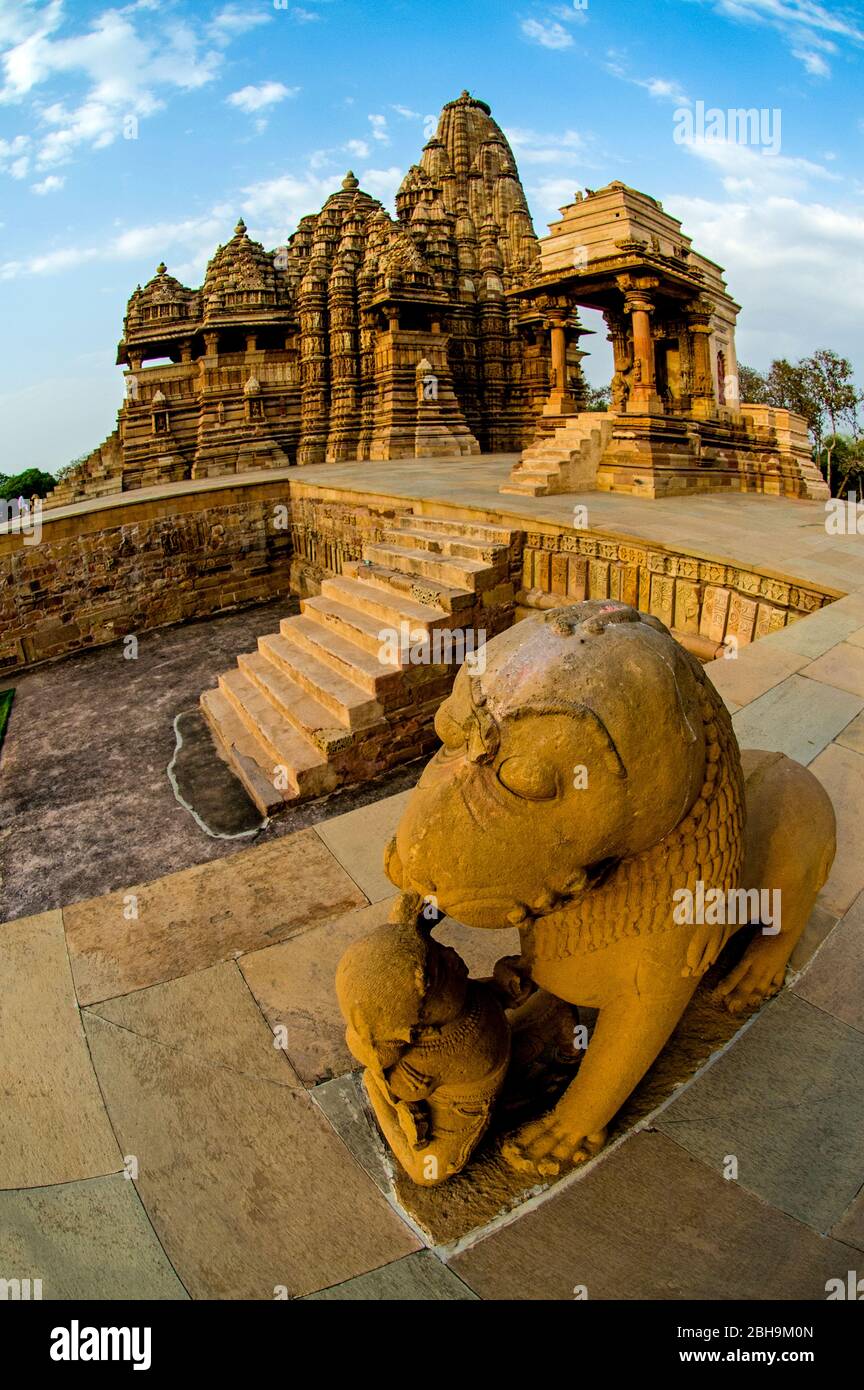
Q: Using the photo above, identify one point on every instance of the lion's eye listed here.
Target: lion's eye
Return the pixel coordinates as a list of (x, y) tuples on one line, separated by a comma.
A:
[(529, 778), (451, 734)]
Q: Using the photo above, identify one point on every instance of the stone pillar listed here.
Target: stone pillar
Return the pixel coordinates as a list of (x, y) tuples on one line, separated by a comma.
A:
[(560, 401), (643, 398), (703, 401), (211, 344), (186, 350), (251, 342)]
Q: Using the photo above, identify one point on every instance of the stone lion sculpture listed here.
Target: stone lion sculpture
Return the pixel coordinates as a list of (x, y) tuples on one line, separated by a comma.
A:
[(590, 790)]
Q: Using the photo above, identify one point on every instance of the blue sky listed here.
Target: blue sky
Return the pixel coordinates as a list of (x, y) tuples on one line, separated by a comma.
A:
[(140, 132)]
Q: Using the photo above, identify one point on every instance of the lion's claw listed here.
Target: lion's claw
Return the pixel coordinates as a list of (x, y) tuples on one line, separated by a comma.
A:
[(547, 1145)]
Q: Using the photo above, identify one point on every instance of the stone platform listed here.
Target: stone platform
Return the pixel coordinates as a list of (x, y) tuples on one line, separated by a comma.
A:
[(196, 1047), (187, 1124)]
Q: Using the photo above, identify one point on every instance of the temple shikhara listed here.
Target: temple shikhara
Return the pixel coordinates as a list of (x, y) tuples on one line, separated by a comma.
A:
[(447, 331)]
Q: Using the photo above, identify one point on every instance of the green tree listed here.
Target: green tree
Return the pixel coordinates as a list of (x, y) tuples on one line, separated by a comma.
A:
[(67, 467), (598, 398), (752, 385), (830, 384), (31, 483)]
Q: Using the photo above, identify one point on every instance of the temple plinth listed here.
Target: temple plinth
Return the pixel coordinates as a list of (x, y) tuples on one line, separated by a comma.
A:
[(676, 421)]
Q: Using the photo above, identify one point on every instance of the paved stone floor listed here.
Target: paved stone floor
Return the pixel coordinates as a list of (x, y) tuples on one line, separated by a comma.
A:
[(180, 1118), (156, 1143), (773, 534), (85, 801)]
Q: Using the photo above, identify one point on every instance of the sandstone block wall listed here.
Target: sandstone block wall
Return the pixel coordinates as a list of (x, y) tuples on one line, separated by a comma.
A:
[(97, 576)]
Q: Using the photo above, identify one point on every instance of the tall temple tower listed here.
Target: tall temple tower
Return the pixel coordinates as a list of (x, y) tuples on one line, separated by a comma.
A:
[(465, 197), (365, 337)]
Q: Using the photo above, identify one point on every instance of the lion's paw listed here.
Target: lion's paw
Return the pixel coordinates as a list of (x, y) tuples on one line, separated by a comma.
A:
[(548, 1145), (750, 983)]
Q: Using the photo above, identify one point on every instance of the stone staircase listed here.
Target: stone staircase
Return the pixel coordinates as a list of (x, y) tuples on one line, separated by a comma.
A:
[(338, 695), (565, 461)]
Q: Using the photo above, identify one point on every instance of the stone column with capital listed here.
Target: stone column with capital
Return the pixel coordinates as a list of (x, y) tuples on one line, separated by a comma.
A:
[(703, 400), (560, 401), (643, 398)]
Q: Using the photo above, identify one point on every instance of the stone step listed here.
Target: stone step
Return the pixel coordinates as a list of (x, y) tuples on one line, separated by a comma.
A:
[(474, 575), (526, 487), (482, 531), (429, 592), (306, 768), (245, 755), (320, 727), (349, 661), (351, 704), (353, 624), (387, 606), (441, 543)]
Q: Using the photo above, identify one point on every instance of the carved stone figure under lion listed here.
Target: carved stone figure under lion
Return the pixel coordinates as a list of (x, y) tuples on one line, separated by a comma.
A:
[(589, 790)]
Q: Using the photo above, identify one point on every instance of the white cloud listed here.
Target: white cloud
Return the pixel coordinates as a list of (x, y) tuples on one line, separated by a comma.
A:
[(232, 21), (661, 88), (51, 184), (360, 148), (533, 147), (547, 32), (382, 183), (814, 63), (122, 66), (14, 158), (379, 129), (792, 264), (808, 27), (407, 114), (748, 169), (255, 98), (548, 196)]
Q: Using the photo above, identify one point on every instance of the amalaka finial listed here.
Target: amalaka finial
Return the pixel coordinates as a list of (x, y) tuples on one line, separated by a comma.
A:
[(161, 268), (349, 183), (240, 228)]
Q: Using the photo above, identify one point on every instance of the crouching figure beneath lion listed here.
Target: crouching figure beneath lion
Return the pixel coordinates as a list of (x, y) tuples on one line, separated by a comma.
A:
[(590, 791)]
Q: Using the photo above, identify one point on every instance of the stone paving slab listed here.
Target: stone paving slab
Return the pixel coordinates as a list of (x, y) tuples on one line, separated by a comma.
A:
[(295, 988), (835, 980), (850, 1227), (344, 1103), (815, 634), (420, 1278), (652, 1222), (798, 717), (247, 1186), (745, 677), (841, 772), (294, 983), (786, 1100), (842, 667), (204, 915), (853, 735), (209, 1015), (85, 1240), (54, 1127), (358, 838)]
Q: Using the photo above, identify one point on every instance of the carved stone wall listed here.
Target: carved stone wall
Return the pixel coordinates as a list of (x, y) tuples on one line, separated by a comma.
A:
[(95, 578), (704, 598)]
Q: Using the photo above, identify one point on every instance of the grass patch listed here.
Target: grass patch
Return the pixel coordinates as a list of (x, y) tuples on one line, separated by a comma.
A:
[(6, 698)]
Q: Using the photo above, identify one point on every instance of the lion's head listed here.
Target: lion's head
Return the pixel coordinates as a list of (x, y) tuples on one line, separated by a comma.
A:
[(581, 744)]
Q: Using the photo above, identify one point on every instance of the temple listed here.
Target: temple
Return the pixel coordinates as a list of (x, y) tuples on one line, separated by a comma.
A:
[(448, 331), (364, 338), (676, 421)]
